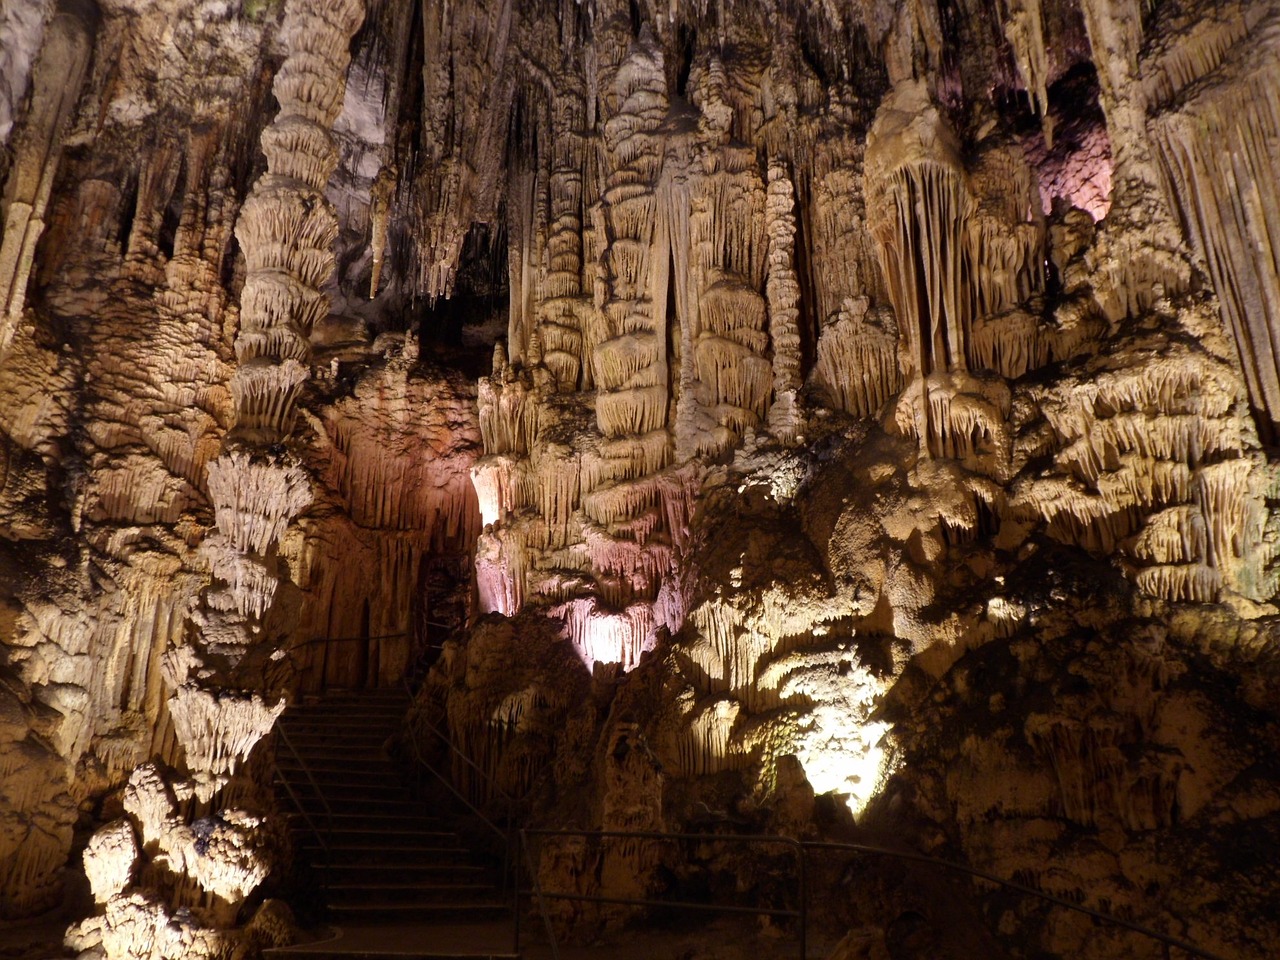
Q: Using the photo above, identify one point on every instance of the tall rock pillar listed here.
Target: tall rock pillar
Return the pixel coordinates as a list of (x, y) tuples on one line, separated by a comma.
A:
[(205, 860)]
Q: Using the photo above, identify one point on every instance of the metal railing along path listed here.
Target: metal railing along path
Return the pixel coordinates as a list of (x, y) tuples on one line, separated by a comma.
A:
[(516, 843), (913, 857), (508, 837), (801, 914), (322, 836)]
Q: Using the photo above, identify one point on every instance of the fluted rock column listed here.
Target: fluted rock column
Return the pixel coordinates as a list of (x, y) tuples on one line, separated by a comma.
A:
[(287, 227), (216, 857), (782, 291)]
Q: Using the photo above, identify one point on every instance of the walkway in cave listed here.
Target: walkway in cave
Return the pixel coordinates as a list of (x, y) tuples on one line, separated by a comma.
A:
[(395, 879)]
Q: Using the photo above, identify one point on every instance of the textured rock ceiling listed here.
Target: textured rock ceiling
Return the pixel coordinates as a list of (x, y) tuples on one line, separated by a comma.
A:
[(875, 394)]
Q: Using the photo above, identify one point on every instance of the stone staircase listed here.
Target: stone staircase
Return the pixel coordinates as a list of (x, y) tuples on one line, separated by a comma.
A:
[(397, 880)]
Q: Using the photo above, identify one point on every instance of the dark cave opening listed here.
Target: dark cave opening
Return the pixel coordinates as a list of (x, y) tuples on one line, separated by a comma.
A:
[(464, 327)]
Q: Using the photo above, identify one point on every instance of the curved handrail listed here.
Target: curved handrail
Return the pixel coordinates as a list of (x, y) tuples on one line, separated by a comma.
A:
[(803, 846), (913, 857), (475, 811), (802, 914), (448, 742), (381, 636), (317, 640)]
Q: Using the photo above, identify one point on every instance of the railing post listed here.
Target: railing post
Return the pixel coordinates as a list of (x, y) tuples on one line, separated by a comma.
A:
[(804, 902), (537, 892), (513, 853)]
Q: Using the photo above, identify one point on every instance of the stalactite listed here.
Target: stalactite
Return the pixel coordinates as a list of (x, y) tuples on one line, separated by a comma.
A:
[(1211, 139), (601, 635), (705, 746), (1095, 779), (858, 359), (56, 81), (217, 731), (1024, 28)]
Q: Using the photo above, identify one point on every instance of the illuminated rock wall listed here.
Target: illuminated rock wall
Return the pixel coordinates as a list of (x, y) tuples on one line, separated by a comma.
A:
[(726, 263)]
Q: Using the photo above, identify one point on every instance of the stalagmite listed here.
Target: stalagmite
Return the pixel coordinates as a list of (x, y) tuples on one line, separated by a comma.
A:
[(109, 860)]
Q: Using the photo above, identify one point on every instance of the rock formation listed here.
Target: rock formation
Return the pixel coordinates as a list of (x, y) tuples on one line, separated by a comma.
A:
[(872, 401)]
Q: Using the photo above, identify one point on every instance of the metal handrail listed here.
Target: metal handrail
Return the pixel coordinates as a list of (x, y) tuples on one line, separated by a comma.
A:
[(914, 857), (324, 801), (511, 862), (315, 640), (326, 852), (512, 854), (475, 811), (448, 742), (801, 914)]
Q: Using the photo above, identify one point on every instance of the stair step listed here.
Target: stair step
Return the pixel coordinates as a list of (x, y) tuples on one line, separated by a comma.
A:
[(353, 806), (362, 845), (382, 823), (341, 781), (357, 836), (343, 798), (353, 696), (441, 941), (339, 717), (405, 894), (422, 912), (378, 872), (341, 763), (371, 776), (390, 863), (388, 856), (372, 747), (330, 745)]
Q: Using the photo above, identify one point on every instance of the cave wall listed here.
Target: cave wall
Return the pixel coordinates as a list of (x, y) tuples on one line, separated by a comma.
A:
[(825, 324)]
